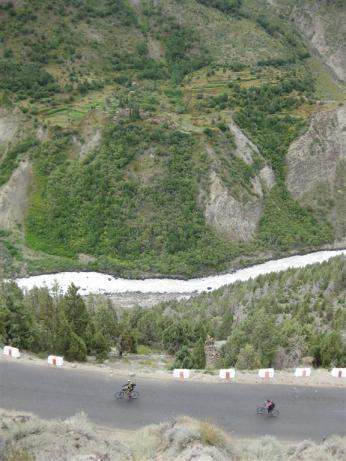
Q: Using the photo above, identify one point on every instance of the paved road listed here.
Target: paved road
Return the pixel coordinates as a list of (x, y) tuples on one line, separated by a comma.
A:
[(305, 412)]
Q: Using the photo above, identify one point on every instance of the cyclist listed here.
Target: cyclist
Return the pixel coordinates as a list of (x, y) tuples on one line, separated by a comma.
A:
[(129, 387), (269, 405)]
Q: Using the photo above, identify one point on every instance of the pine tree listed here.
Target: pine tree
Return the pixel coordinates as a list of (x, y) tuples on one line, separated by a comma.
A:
[(126, 341), (332, 350), (198, 355), (17, 325), (76, 348), (101, 346), (106, 322), (76, 311)]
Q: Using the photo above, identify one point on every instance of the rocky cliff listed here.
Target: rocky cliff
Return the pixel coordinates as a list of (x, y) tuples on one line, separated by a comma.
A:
[(316, 168), (234, 218), (323, 25), (232, 215), (14, 196)]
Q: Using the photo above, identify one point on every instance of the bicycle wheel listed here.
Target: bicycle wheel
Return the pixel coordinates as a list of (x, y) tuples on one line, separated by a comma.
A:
[(119, 395), (134, 395), (261, 410), (274, 412)]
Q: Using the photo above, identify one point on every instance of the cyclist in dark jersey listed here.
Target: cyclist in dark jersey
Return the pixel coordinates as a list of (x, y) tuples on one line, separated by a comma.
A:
[(129, 387), (269, 405)]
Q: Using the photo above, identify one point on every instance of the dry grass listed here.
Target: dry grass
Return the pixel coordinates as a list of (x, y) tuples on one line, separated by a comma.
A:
[(24, 437), (80, 424), (28, 438), (212, 435), (18, 455), (333, 449), (264, 449), (183, 439), (150, 438)]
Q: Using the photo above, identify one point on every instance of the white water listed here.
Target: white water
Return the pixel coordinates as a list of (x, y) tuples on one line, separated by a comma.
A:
[(93, 282)]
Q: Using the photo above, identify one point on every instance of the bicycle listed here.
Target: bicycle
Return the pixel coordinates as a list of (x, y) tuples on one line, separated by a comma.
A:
[(264, 411), (125, 394)]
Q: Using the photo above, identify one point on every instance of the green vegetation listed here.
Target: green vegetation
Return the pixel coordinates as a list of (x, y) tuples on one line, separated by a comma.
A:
[(96, 206), (26, 80), (263, 113), (285, 223), (326, 88), (12, 157), (10, 254), (179, 44), (226, 6)]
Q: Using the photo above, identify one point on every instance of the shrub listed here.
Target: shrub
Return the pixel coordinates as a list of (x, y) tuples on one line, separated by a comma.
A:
[(231, 7), (26, 79), (183, 52), (285, 223), (248, 358), (211, 435), (183, 358), (143, 350), (332, 350)]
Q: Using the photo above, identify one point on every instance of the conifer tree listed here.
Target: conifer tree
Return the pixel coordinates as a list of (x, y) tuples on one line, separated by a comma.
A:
[(198, 355)]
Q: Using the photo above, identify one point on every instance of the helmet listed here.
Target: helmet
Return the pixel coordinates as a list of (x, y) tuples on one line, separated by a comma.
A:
[(129, 380)]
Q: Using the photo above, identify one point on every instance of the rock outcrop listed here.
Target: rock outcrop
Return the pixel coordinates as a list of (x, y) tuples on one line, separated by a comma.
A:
[(14, 196), (316, 168), (237, 217), (91, 139), (212, 353), (323, 25), (8, 127), (245, 149)]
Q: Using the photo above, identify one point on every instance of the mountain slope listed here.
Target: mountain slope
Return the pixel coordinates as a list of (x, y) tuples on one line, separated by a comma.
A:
[(323, 25), (151, 136), (316, 168)]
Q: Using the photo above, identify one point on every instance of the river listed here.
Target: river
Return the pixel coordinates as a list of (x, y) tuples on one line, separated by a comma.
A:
[(134, 290)]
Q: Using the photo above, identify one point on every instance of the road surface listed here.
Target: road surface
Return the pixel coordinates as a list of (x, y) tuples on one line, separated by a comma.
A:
[(305, 412)]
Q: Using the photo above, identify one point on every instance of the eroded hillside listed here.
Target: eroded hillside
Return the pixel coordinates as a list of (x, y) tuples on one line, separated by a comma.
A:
[(323, 24), (316, 168)]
